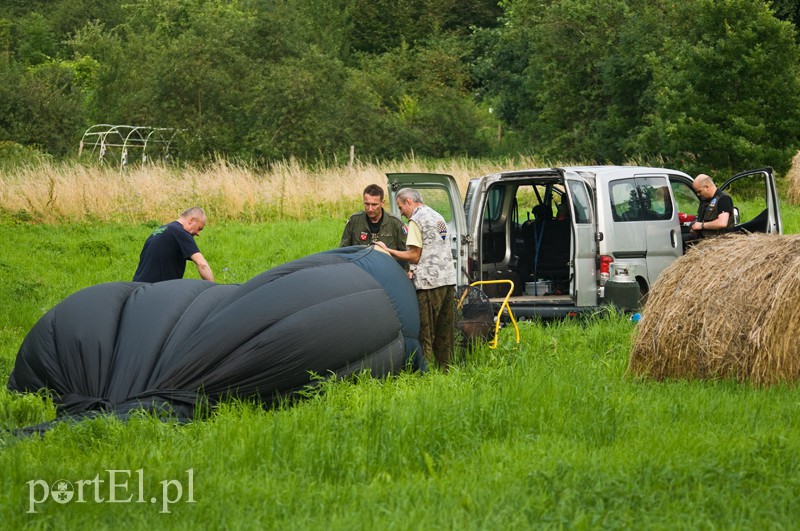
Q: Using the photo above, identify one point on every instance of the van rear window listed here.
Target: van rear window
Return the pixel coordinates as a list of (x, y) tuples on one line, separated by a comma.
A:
[(439, 200)]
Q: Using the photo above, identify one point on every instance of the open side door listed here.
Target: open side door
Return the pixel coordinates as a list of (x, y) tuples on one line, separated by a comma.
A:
[(441, 193), (755, 197), (584, 247)]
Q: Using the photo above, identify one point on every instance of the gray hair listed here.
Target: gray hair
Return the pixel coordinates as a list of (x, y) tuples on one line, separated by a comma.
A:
[(409, 193), (195, 212)]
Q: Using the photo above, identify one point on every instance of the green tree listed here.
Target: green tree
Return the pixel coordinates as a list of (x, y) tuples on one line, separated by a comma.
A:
[(427, 89), (35, 40), (693, 82), (725, 90), (313, 107), (180, 64), (49, 108), (551, 73), (291, 28), (102, 47), (383, 25), (10, 74), (788, 10), (68, 16), (6, 27)]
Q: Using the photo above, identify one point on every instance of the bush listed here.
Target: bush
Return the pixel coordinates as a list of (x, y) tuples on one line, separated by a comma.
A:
[(13, 154)]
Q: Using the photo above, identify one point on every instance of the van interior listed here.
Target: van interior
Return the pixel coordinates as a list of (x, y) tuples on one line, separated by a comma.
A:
[(526, 237)]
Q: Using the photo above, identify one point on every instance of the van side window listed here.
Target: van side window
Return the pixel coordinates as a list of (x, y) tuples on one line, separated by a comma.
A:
[(624, 200), (580, 202), (494, 201), (655, 198), (640, 199)]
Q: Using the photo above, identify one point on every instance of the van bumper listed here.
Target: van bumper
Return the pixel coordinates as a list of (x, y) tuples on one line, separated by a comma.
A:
[(549, 310)]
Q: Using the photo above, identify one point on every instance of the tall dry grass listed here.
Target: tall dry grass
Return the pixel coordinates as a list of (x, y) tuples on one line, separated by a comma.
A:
[(288, 190)]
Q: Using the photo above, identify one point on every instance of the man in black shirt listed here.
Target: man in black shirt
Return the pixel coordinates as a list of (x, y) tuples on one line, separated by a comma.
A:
[(168, 247), (715, 214)]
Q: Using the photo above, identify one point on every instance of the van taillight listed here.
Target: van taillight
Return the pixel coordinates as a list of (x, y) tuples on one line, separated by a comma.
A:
[(605, 268)]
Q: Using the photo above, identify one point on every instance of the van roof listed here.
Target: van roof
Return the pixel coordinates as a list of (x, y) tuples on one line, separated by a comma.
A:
[(589, 172)]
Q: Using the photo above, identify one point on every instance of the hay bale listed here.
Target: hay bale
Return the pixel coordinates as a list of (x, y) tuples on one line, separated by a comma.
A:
[(726, 309), (793, 178)]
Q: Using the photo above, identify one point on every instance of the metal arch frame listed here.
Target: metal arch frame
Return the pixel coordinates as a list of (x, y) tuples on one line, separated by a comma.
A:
[(125, 137), (161, 139)]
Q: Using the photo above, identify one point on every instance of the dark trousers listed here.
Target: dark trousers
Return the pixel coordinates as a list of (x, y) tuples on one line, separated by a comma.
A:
[(437, 322)]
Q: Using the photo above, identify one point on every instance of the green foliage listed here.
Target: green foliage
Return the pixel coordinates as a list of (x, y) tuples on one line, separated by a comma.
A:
[(13, 155), (289, 29), (424, 89), (717, 97), (692, 83), (48, 108), (36, 41), (296, 113), (788, 10)]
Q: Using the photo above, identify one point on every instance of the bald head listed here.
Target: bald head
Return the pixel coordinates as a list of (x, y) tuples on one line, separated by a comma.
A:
[(704, 186)]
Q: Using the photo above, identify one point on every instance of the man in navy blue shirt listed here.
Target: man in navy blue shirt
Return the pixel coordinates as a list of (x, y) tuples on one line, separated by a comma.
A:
[(170, 246)]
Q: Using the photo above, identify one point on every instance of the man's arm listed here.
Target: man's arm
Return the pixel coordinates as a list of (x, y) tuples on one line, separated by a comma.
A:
[(347, 235), (413, 250), (202, 267), (723, 216), (410, 255), (720, 223)]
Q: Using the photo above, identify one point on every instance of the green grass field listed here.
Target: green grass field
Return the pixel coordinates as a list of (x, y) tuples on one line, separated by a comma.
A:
[(546, 434)]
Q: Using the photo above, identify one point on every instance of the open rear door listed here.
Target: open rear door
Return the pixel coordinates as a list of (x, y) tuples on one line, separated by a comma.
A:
[(755, 197), (583, 287), (441, 193)]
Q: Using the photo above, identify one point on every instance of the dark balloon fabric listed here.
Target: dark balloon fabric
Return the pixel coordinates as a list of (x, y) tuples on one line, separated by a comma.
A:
[(125, 345)]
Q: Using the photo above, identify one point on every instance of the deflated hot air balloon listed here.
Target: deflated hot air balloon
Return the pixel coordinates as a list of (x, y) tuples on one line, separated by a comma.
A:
[(125, 345)]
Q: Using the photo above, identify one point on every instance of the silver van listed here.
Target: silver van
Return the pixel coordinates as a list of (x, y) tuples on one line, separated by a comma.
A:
[(561, 234)]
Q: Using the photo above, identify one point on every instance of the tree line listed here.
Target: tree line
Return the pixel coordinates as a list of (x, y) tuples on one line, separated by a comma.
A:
[(699, 84)]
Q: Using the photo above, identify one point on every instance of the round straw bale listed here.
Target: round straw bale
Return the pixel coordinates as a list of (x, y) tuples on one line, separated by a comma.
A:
[(728, 308), (793, 178)]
